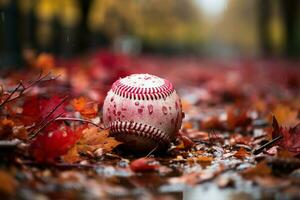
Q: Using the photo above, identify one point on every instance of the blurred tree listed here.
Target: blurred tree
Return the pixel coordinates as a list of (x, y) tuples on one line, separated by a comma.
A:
[(279, 27), (10, 52), (291, 11), (237, 29), (27, 24), (157, 24), (264, 15), (47, 25), (69, 17)]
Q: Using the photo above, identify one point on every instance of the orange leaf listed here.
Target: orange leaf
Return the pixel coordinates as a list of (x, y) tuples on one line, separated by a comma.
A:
[(237, 118), (8, 183), (45, 62), (91, 140), (212, 123), (86, 108), (261, 169), (203, 159), (6, 128), (72, 156), (241, 153), (285, 116)]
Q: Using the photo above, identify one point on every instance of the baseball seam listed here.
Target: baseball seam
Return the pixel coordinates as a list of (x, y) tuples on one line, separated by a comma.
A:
[(139, 129), (139, 93)]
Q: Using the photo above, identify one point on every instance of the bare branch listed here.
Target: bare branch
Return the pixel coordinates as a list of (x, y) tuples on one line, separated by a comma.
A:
[(22, 89), (267, 145), (80, 120), (52, 111), (43, 126)]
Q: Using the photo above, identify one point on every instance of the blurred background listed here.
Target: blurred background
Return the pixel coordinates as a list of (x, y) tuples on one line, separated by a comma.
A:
[(202, 28)]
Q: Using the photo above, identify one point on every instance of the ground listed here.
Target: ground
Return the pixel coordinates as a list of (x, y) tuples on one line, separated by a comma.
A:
[(240, 137)]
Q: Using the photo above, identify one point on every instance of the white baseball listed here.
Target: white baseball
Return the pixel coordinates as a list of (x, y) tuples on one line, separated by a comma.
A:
[(143, 111)]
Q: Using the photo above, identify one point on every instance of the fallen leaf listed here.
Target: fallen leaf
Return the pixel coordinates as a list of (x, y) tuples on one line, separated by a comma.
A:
[(186, 143), (237, 118), (45, 62), (85, 107), (241, 153), (36, 109), (48, 146), (8, 183), (144, 164), (194, 178), (291, 136), (285, 116), (91, 140), (201, 159), (212, 123), (72, 156), (261, 169), (6, 128)]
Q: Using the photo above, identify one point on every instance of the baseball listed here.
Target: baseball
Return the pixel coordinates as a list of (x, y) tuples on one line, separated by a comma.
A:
[(143, 111)]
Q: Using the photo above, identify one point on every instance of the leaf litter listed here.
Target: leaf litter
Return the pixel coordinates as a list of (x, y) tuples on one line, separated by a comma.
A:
[(240, 132)]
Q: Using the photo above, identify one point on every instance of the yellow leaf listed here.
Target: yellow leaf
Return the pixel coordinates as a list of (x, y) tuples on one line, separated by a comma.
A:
[(285, 115), (91, 140), (72, 156)]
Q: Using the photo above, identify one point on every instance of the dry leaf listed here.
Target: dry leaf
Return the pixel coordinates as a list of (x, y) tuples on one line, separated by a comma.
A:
[(85, 107), (8, 183), (144, 164), (241, 153), (91, 140), (261, 169), (285, 116)]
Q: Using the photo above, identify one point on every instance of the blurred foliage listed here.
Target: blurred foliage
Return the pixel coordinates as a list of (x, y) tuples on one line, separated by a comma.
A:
[(152, 21)]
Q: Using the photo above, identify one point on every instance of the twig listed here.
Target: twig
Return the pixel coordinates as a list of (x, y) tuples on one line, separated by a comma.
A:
[(44, 126), (79, 120), (152, 151), (8, 98), (267, 145), (24, 88), (44, 120)]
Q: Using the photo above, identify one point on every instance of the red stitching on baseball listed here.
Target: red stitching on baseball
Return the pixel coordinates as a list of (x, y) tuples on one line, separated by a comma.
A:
[(118, 127), (132, 92)]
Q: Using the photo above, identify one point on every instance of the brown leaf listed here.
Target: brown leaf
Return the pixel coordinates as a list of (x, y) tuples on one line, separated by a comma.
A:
[(91, 140), (237, 118), (241, 153), (8, 183), (212, 123), (185, 142), (197, 177), (285, 116), (201, 159), (261, 169), (6, 128)]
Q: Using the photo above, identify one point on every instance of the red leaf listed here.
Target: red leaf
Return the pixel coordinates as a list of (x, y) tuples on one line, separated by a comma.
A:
[(50, 145), (47, 105), (186, 141), (291, 136), (144, 164), (31, 110), (36, 109)]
